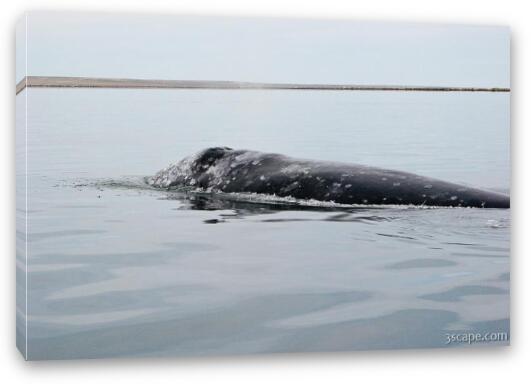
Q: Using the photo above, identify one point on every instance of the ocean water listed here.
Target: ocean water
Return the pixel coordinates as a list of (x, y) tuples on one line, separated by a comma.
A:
[(115, 268)]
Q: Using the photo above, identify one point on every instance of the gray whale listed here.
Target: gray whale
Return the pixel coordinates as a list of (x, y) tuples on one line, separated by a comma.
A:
[(222, 169)]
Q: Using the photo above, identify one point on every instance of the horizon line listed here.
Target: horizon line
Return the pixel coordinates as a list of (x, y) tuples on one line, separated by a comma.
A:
[(102, 82)]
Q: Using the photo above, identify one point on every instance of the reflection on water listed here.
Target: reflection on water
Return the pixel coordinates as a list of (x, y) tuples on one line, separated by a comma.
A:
[(262, 280), (116, 268)]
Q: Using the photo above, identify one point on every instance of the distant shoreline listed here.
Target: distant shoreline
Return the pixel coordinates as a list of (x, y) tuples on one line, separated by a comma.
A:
[(93, 82)]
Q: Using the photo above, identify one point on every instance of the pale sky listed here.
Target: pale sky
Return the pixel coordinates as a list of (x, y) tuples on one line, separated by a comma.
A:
[(264, 50)]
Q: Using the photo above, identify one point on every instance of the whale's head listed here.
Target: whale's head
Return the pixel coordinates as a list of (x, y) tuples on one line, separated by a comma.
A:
[(192, 171)]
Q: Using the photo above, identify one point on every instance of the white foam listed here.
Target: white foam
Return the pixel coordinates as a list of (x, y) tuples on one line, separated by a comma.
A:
[(251, 197)]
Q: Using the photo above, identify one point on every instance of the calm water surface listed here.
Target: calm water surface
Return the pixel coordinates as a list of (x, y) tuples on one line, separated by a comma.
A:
[(118, 269)]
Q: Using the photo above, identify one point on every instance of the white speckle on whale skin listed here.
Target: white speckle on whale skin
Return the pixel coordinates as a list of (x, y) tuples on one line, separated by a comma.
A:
[(255, 162), (262, 178), (428, 186), (295, 169), (290, 187), (365, 201), (453, 198), (396, 184), (384, 178), (348, 186), (193, 182)]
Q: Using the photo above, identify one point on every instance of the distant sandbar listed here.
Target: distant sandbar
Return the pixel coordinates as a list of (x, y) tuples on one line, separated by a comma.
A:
[(92, 82)]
